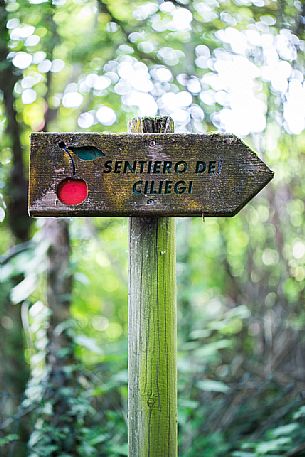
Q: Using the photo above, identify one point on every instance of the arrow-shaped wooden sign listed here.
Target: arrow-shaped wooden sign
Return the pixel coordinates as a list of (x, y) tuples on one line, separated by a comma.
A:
[(91, 174)]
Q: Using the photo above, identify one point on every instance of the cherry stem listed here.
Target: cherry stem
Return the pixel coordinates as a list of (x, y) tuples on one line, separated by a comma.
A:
[(65, 148)]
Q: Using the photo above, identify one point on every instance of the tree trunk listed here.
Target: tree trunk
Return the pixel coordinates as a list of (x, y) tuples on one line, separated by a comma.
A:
[(60, 348), (19, 221), (61, 381), (14, 371)]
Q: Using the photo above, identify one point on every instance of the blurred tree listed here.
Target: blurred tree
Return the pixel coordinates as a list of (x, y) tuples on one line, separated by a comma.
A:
[(14, 370), (61, 371)]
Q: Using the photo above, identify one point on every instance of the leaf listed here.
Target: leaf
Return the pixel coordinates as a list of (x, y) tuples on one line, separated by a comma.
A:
[(88, 343), (8, 439), (285, 429), (272, 446), (243, 454), (119, 449), (212, 386), (2, 214), (24, 289), (300, 413), (188, 403), (97, 438), (121, 377), (87, 152)]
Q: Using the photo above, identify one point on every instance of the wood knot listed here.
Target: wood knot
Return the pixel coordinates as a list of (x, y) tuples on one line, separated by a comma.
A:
[(151, 402)]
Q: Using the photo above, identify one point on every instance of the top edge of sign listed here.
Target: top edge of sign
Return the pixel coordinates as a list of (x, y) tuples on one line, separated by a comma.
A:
[(119, 134)]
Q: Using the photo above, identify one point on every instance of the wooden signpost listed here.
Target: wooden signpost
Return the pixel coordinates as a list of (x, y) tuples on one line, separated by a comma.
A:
[(151, 173), (142, 174)]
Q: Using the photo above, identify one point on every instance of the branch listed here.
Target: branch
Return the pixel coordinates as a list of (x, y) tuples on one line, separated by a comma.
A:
[(15, 250), (50, 113), (142, 55)]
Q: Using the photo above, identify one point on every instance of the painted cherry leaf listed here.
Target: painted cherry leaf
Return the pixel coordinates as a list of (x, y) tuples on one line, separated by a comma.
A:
[(87, 152)]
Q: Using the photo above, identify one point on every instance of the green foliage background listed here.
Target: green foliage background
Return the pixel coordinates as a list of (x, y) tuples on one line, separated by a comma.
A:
[(240, 281)]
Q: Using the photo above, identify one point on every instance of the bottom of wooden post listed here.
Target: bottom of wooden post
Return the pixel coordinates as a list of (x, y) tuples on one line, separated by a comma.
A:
[(152, 401)]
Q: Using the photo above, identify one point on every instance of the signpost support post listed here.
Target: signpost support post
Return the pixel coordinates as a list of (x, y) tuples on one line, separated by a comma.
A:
[(152, 326)]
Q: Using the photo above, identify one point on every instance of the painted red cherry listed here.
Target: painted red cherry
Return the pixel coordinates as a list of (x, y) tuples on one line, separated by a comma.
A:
[(72, 191)]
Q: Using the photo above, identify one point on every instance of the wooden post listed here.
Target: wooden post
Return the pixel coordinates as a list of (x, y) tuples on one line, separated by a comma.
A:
[(152, 327)]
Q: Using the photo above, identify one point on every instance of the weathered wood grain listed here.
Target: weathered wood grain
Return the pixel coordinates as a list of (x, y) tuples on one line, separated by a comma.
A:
[(192, 174), (152, 329)]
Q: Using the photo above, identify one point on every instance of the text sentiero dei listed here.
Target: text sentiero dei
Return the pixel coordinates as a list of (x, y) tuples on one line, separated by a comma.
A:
[(177, 169)]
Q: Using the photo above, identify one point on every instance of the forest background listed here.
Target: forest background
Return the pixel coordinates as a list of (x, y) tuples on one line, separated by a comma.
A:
[(213, 65)]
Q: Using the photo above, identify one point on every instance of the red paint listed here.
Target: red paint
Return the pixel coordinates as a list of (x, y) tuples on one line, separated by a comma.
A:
[(72, 191)]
